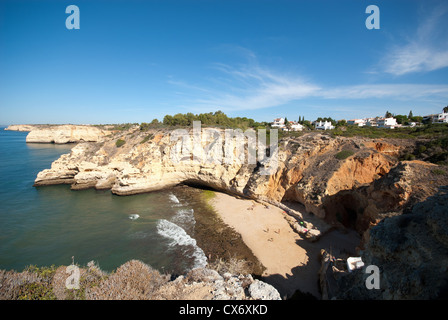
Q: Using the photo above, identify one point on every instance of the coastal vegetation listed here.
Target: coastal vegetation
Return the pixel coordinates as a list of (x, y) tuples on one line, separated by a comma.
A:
[(37, 284), (218, 119), (425, 131), (344, 154), (119, 143), (135, 280), (214, 119)]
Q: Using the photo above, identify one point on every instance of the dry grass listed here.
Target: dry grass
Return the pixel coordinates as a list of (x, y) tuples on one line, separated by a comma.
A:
[(232, 265), (133, 280)]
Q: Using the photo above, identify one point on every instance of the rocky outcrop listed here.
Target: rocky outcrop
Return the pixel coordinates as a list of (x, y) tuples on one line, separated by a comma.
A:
[(407, 183), (65, 134), (133, 280), (411, 252)]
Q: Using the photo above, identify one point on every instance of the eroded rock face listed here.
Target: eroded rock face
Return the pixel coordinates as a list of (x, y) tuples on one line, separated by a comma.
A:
[(411, 252), (307, 169), (65, 134), (407, 183)]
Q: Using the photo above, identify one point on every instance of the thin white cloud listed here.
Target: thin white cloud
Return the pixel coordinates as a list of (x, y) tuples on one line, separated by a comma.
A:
[(426, 51), (380, 91), (251, 87)]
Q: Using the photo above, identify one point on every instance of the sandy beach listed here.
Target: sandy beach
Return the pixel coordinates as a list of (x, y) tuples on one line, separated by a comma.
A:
[(291, 262)]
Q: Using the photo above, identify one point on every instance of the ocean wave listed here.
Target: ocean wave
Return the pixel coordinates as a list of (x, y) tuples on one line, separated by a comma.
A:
[(179, 237)]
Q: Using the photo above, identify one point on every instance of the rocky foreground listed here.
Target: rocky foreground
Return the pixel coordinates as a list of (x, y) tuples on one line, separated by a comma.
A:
[(134, 280), (356, 183)]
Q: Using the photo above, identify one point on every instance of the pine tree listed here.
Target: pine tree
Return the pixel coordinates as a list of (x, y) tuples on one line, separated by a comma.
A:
[(410, 115)]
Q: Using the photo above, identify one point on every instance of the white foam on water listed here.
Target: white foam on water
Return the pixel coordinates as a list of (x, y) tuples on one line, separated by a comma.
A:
[(134, 216), (179, 237), (174, 198)]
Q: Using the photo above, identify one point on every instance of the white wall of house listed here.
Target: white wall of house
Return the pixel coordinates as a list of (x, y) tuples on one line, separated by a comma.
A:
[(296, 127), (358, 122), (387, 122), (323, 125), (442, 117), (279, 123)]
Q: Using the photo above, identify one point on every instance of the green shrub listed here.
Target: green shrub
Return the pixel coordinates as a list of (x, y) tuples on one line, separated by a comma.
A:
[(40, 289), (421, 149), (408, 157), (344, 154), (438, 172), (148, 137), (119, 143)]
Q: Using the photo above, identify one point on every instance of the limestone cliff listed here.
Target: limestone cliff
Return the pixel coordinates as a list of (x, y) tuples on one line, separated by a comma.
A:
[(21, 127), (65, 134), (310, 171)]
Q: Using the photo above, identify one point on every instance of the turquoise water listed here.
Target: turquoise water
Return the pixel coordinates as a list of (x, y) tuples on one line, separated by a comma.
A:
[(50, 225)]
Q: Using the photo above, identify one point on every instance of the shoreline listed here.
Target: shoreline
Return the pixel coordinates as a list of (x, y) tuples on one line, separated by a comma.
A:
[(291, 262)]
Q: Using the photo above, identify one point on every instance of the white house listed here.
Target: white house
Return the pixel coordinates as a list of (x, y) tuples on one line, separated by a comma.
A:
[(323, 125), (387, 123), (442, 117), (371, 122), (278, 123), (295, 126), (437, 118), (358, 122)]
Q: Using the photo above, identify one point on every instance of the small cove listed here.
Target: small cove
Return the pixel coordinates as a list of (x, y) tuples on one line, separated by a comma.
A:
[(172, 230)]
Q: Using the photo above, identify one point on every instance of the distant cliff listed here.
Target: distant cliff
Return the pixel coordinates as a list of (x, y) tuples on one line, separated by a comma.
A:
[(60, 134), (22, 127), (65, 134)]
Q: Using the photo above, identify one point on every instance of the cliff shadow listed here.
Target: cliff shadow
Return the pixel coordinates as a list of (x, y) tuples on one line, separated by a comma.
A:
[(302, 282)]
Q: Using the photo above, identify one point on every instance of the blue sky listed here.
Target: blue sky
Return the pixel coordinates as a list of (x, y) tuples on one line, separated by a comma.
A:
[(132, 61)]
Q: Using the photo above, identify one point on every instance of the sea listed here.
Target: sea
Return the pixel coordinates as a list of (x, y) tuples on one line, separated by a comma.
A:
[(54, 225)]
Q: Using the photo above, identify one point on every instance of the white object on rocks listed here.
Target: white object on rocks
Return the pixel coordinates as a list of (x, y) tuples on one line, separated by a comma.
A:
[(354, 263)]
